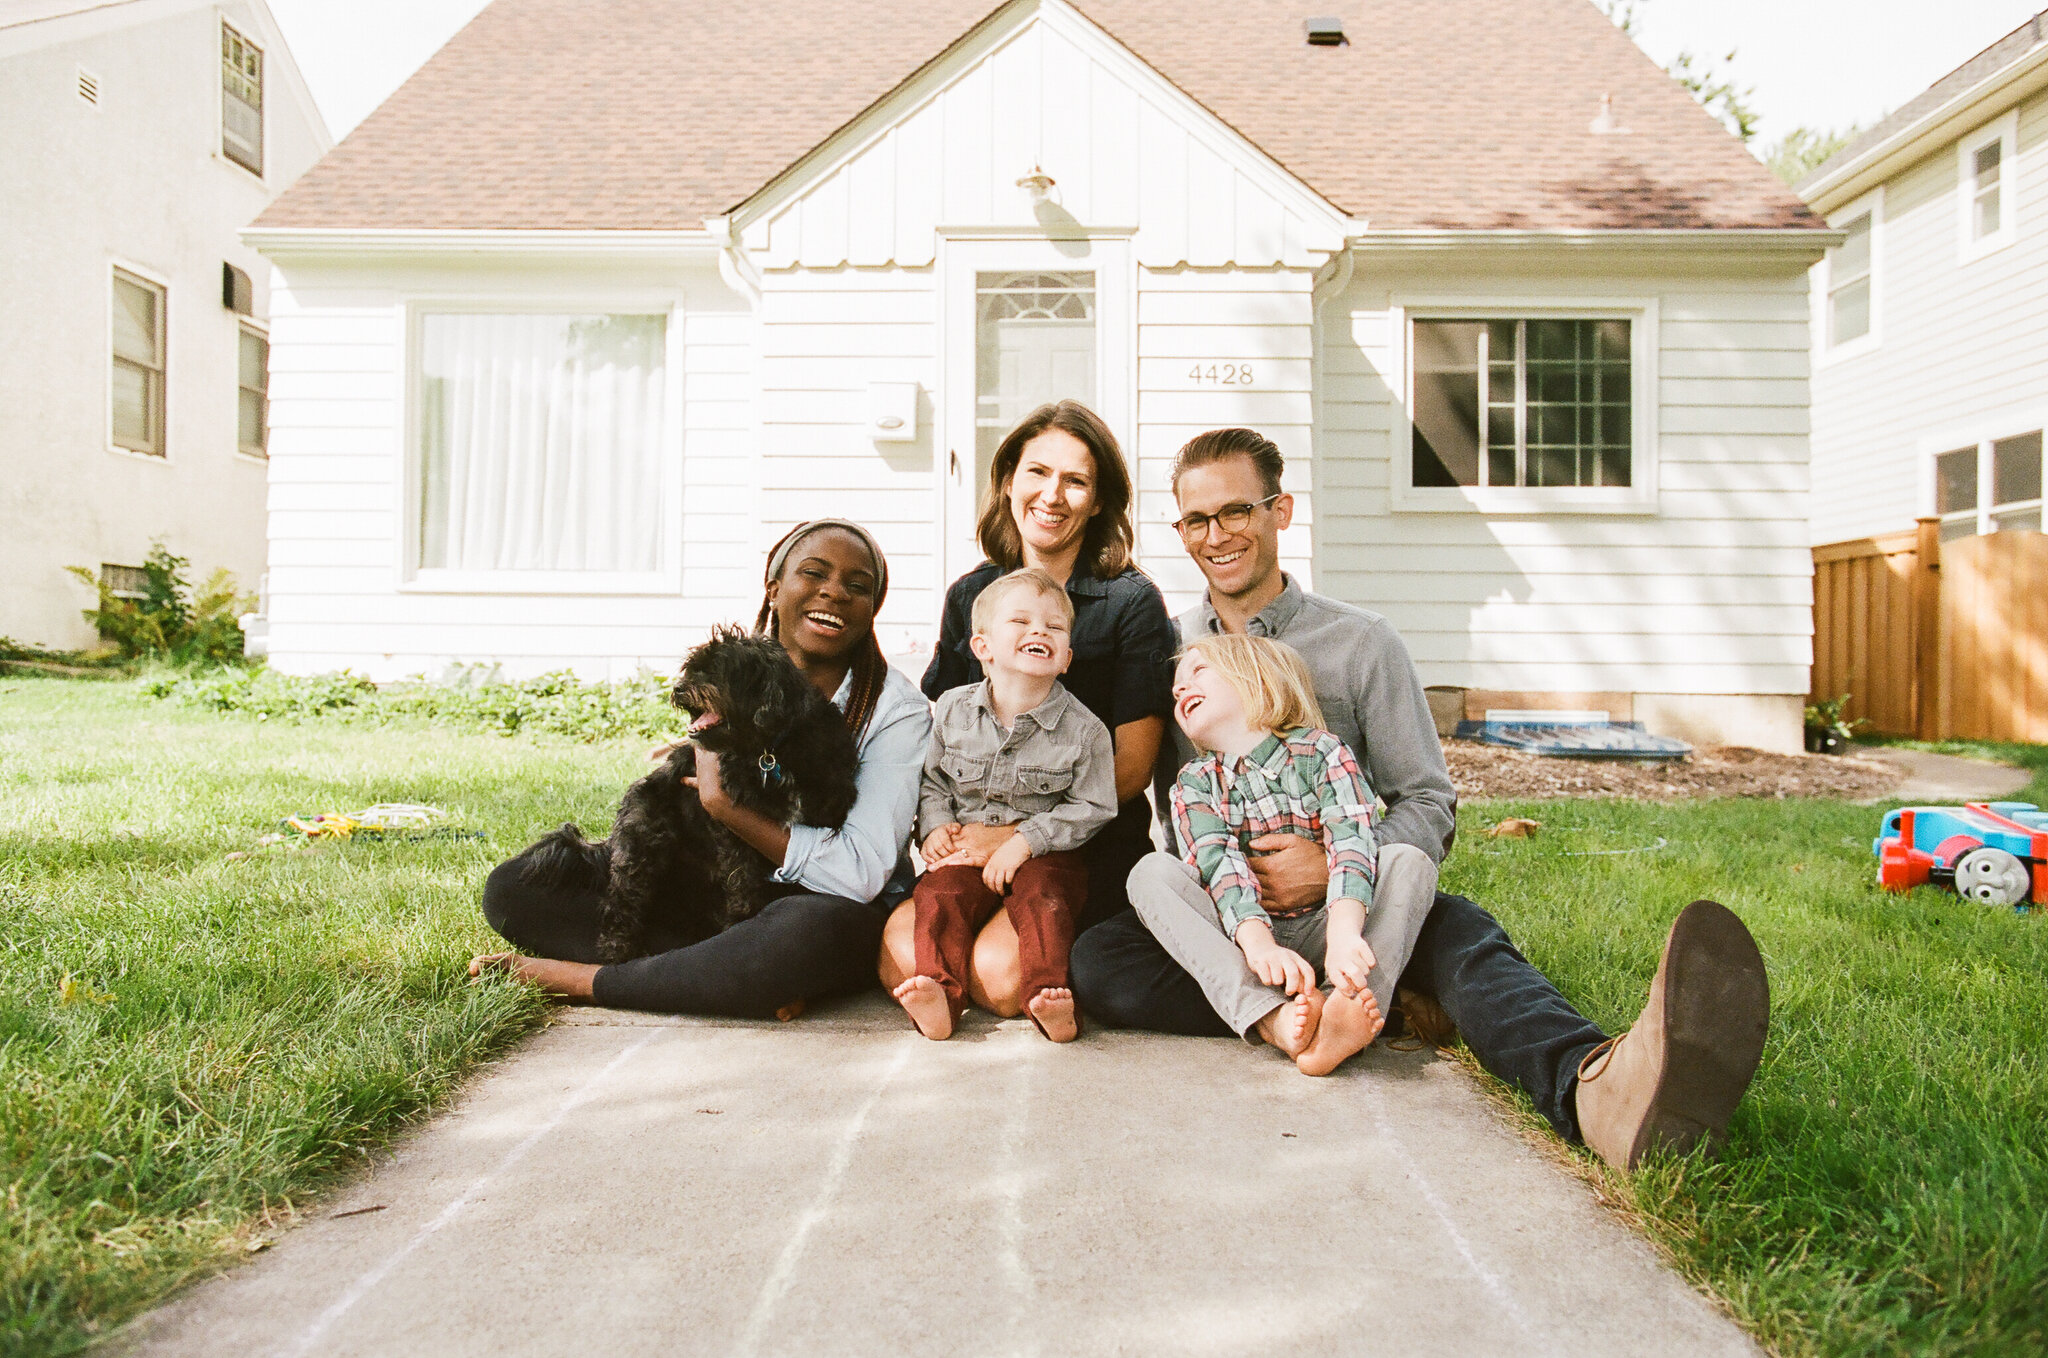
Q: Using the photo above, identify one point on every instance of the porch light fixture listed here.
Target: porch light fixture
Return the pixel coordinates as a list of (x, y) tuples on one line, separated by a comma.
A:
[(1038, 182), (1605, 124), (1326, 31)]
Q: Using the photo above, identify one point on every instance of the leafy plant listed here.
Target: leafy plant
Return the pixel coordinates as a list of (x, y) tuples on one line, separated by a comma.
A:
[(1712, 85), (1803, 150), (557, 702), (1826, 725), (170, 621)]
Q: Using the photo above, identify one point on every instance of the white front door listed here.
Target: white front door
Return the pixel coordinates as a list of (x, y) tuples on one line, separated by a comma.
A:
[(1027, 322)]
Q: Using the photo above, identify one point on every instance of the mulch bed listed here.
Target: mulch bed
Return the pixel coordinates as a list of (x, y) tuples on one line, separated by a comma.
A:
[(1487, 771)]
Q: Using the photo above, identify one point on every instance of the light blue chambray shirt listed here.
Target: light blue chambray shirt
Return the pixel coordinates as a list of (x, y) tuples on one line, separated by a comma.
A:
[(868, 858)]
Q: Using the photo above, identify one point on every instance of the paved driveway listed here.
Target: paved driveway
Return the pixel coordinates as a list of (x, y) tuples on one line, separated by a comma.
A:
[(630, 1185)]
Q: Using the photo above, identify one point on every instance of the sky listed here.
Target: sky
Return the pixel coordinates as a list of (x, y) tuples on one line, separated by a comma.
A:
[(1813, 63)]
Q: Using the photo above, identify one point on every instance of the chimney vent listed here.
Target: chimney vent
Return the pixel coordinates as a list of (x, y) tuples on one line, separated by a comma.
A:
[(1326, 31)]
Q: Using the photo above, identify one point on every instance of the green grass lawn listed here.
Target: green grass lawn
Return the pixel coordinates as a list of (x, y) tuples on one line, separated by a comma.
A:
[(239, 1032)]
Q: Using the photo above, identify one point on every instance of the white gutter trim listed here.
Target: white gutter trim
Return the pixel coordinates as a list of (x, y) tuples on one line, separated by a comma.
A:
[(1926, 134), (277, 242), (1787, 240)]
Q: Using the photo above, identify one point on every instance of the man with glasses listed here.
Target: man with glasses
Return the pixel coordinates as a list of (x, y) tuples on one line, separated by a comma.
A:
[(1669, 1081)]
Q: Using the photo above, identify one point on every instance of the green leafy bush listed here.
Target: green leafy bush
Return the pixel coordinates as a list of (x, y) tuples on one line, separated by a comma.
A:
[(171, 621), (558, 702)]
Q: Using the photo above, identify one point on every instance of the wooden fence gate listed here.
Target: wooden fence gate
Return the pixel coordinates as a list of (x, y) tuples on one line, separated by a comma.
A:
[(1935, 639)]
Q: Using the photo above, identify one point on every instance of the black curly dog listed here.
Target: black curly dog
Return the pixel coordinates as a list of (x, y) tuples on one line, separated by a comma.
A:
[(783, 750)]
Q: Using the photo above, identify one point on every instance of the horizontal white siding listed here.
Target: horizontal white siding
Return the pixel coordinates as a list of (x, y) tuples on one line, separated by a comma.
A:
[(825, 335), (1963, 352), (1123, 150), (1709, 594), (1261, 319), (336, 496)]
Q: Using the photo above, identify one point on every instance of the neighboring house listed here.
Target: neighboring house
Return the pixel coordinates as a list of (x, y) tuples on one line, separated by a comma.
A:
[(585, 315), (140, 137), (1930, 382)]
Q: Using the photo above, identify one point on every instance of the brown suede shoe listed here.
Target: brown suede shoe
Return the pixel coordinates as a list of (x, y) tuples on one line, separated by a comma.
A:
[(1426, 1020), (1677, 1075)]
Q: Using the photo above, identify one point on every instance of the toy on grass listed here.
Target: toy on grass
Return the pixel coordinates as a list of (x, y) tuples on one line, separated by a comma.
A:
[(1994, 852)]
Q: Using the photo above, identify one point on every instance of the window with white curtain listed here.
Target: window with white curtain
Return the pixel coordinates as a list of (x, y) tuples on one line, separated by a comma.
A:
[(1986, 201), (540, 439)]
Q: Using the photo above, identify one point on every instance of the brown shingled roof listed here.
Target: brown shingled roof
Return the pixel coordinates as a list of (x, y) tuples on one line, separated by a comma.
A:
[(655, 114)]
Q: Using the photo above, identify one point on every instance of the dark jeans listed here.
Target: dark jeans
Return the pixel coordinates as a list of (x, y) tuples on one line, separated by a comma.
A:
[(802, 946), (1510, 1015)]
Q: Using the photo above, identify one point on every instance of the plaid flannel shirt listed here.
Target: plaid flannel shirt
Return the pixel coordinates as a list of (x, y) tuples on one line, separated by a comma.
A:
[(1301, 782)]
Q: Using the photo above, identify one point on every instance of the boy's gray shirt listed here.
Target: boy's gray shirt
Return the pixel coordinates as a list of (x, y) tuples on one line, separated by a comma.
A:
[(1052, 775), (1372, 700)]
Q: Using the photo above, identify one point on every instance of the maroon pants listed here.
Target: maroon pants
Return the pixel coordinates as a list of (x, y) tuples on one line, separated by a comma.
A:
[(1044, 900)]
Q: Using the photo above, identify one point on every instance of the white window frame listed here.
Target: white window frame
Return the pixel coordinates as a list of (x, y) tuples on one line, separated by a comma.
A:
[(2005, 131), (162, 283), (1639, 497), (262, 332), (1826, 351), (220, 117), (1981, 435), (667, 576)]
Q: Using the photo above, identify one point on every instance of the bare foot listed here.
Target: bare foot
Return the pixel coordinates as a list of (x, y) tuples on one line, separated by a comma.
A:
[(794, 1009), (564, 980), (1053, 1011), (1295, 1023), (1349, 1025), (924, 999)]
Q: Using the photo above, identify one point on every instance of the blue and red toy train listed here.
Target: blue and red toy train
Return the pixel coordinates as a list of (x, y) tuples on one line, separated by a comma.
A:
[(1994, 852)]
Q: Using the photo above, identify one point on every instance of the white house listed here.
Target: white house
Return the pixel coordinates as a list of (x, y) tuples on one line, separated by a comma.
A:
[(1930, 383), (139, 139), (582, 318)]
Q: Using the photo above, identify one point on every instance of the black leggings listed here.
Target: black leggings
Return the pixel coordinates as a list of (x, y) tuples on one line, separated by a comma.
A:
[(802, 946)]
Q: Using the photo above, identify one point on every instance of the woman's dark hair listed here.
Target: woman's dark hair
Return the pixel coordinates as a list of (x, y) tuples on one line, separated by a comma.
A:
[(1106, 541), (1219, 444), (870, 667)]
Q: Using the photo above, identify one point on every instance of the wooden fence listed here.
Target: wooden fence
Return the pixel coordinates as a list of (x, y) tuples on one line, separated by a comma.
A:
[(1934, 639)]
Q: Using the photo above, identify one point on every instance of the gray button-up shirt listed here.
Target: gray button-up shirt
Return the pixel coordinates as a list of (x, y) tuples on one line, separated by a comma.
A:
[(1052, 775)]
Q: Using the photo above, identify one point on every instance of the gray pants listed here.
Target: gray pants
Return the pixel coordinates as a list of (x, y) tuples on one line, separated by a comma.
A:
[(1169, 896)]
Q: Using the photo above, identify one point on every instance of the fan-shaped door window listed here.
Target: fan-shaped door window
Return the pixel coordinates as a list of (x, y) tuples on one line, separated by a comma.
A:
[(1034, 342)]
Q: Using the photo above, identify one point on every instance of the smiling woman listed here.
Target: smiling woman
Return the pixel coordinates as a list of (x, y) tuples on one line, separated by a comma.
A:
[(1059, 498), (831, 890)]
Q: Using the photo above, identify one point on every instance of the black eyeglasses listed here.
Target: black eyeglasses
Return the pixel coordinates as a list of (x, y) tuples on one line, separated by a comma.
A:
[(1233, 517)]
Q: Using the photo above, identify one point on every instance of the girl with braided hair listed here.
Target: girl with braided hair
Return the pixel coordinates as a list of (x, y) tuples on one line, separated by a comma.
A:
[(824, 583)]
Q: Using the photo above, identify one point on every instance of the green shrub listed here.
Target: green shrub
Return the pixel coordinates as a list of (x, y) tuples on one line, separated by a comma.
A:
[(170, 621), (558, 702)]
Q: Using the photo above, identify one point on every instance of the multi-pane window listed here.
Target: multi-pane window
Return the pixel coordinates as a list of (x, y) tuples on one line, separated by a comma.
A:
[(1529, 402), (1849, 283), (1987, 192), (136, 395), (540, 442), (1985, 189), (241, 100), (252, 381), (1989, 487)]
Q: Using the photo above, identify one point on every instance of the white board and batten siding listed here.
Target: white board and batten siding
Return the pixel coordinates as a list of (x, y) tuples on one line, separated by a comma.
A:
[(341, 592), (1706, 592), (1218, 249), (1961, 352)]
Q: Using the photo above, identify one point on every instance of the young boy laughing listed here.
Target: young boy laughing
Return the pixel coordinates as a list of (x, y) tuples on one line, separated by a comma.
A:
[(1016, 750)]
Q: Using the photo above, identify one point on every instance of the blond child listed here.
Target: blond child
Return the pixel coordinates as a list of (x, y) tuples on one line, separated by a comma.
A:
[(1014, 750), (1248, 703)]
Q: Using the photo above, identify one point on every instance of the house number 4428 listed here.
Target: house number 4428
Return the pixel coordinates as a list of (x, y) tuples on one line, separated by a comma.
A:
[(1221, 374)]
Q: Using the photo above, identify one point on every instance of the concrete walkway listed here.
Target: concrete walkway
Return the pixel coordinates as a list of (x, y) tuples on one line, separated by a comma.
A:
[(630, 1185), (1939, 779)]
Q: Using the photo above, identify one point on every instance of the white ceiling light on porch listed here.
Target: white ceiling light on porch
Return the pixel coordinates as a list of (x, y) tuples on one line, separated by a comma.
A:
[(1038, 183)]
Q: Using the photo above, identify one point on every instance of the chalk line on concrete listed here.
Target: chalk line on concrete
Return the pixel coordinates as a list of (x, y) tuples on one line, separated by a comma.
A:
[(777, 1285), (360, 1288)]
